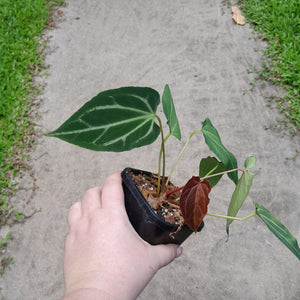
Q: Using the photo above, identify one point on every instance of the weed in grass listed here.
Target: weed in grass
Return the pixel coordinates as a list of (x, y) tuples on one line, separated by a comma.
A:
[(287, 159), (4, 261), (3, 241)]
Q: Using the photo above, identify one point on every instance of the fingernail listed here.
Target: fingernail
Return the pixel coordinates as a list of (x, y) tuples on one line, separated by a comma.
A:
[(179, 251)]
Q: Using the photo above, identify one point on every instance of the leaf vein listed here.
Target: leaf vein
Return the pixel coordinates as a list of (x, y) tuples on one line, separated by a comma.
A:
[(70, 132)]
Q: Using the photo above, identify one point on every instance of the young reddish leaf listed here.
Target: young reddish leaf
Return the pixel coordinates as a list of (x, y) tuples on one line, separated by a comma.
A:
[(194, 201)]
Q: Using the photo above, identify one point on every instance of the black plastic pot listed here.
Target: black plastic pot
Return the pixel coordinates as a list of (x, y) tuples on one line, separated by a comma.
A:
[(145, 221)]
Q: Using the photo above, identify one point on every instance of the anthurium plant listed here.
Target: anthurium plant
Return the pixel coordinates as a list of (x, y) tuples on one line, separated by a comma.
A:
[(125, 118)]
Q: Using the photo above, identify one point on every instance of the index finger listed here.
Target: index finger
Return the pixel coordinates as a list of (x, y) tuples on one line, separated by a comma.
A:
[(112, 192), (91, 200)]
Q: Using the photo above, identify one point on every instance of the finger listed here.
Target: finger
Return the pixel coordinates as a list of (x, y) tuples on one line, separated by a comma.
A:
[(112, 192), (165, 254), (91, 200), (74, 214)]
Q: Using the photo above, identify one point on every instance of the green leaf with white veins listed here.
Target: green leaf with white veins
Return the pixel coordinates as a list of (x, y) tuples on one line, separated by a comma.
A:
[(114, 120), (170, 113)]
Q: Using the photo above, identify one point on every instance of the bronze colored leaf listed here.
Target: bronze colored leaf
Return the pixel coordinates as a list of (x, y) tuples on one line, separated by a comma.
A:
[(194, 201)]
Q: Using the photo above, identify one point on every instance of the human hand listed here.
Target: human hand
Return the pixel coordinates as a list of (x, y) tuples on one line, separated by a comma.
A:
[(104, 256)]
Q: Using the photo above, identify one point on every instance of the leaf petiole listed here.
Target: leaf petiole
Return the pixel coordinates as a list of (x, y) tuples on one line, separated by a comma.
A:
[(174, 191), (222, 173), (180, 154), (166, 138), (161, 154), (232, 218)]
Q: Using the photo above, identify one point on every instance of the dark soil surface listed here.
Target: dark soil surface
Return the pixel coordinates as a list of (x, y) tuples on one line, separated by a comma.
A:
[(167, 207)]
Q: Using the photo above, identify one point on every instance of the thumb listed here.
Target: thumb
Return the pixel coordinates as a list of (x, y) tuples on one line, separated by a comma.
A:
[(165, 254)]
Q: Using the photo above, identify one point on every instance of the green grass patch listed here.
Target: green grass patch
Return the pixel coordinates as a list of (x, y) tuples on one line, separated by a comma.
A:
[(22, 22), (278, 22), (21, 58)]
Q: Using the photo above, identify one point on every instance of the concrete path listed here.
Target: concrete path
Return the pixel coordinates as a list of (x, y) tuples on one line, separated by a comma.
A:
[(196, 48)]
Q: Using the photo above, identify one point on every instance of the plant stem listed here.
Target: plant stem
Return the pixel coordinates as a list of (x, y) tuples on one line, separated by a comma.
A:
[(232, 218), (174, 191), (222, 173), (180, 154), (169, 134), (161, 154)]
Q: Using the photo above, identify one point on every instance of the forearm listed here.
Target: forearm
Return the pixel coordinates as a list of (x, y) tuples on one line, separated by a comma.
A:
[(106, 286)]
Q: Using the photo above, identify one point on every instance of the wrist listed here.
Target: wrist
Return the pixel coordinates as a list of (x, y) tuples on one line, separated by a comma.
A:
[(87, 294), (102, 286)]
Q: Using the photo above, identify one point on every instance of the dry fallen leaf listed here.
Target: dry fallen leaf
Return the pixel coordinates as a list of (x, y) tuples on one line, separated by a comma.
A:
[(237, 17)]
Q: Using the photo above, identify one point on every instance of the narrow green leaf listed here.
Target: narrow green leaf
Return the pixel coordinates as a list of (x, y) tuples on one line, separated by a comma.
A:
[(250, 162), (170, 113), (278, 229), (209, 166), (239, 196), (213, 141), (114, 120)]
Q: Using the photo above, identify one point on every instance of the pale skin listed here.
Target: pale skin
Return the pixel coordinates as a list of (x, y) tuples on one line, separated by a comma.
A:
[(104, 257)]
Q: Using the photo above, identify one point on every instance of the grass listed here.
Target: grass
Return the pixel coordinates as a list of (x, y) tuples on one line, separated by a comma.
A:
[(21, 59), (278, 22), (4, 261)]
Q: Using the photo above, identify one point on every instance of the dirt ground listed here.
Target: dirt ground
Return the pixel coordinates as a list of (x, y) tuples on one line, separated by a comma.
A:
[(205, 58)]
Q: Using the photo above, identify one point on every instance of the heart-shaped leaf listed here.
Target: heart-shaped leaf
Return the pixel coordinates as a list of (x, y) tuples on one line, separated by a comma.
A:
[(209, 166), (194, 201), (170, 113), (213, 141), (278, 229), (239, 196), (115, 120)]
